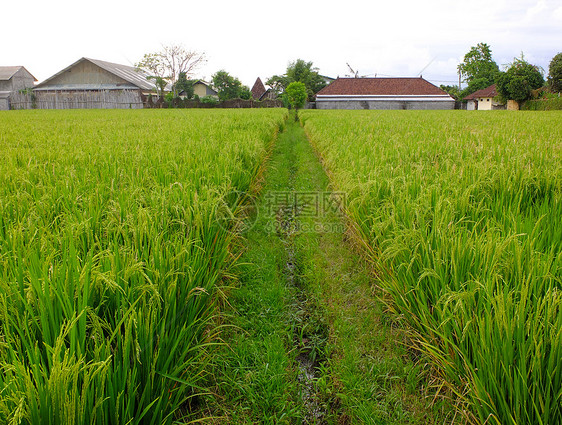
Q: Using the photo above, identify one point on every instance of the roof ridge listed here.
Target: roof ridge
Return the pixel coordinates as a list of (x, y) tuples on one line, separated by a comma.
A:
[(381, 86), (14, 69), (127, 73)]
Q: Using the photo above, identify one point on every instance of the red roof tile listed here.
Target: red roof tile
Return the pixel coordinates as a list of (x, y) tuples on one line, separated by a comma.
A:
[(380, 86), (487, 92)]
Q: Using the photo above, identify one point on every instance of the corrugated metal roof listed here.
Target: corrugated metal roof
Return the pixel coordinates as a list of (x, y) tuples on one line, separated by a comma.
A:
[(128, 73), (7, 72), (132, 75), (63, 87)]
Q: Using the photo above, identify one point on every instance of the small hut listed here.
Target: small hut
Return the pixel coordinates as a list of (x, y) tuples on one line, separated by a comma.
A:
[(13, 79)]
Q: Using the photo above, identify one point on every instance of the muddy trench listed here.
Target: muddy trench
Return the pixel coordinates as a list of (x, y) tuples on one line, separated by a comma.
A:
[(310, 330)]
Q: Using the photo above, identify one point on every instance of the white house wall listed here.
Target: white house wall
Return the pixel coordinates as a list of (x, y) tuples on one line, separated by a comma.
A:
[(485, 104), (415, 104)]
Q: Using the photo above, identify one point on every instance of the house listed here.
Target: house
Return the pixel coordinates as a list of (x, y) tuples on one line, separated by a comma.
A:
[(326, 79), (13, 79), (91, 83), (203, 89), (259, 92), (383, 93), (484, 100)]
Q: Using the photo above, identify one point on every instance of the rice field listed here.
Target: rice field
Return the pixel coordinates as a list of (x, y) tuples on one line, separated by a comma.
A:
[(111, 259), (462, 216)]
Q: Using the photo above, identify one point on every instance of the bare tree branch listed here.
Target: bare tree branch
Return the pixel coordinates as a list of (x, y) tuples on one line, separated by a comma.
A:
[(168, 63)]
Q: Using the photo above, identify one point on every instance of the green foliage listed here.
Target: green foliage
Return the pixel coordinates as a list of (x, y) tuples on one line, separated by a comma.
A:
[(209, 100), (245, 93), (298, 71), (555, 74), (453, 91), (296, 94), (478, 64), (546, 104), (184, 85), (112, 260), (229, 87), (517, 82), (460, 217), (160, 84), (278, 83)]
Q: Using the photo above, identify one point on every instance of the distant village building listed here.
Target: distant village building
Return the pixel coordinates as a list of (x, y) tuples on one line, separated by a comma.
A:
[(259, 92), (484, 100), (383, 93), (327, 79), (203, 89), (13, 79), (91, 83)]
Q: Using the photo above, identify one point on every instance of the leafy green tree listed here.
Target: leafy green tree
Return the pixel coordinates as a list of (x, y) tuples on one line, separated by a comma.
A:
[(229, 87), (555, 73), (299, 71), (518, 80), (184, 85), (278, 83), (296, 95), (161, 83), (478, 69), (453, 91)]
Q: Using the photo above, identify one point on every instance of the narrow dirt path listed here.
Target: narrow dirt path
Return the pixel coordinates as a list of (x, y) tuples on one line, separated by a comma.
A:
[(309, 342)]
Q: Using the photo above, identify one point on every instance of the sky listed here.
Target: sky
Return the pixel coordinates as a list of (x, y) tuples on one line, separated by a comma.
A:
[(250, 38)]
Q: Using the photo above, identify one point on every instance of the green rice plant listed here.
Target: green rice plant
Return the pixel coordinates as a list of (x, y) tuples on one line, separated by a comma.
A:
[(462, 215), (111, 259)]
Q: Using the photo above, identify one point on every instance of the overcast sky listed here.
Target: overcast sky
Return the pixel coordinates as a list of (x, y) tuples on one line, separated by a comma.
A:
[(250, 38)]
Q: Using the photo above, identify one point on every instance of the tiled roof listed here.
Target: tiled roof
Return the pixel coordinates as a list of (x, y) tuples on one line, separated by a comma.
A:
[(258, 90), (381, 87), (487, 92)]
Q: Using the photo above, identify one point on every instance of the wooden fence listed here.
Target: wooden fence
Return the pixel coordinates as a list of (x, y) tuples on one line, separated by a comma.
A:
[(79, 99)]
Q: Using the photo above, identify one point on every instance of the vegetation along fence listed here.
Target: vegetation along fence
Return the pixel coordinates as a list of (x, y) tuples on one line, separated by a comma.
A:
[(149, 102), (543, 104)]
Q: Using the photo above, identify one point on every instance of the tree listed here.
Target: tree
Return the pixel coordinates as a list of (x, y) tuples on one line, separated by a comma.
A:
[(478, 69), (296, 94), (229, 87), (518, 80), (453, 91), (278, 83), (555, 73), (184, 85), (168, 63), (298, 71)]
